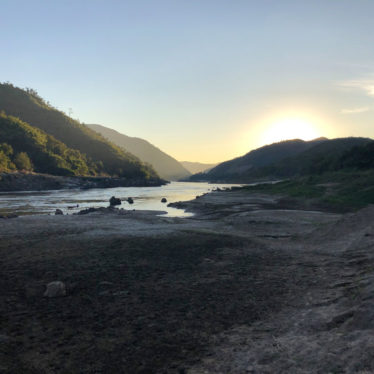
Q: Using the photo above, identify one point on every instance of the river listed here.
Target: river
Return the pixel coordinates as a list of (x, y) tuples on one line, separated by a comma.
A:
[(72, 201)]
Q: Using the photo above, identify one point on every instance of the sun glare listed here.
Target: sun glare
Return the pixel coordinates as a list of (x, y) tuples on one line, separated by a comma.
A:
[(289, 128)]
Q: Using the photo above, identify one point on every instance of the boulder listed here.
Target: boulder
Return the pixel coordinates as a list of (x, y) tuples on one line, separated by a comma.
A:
[(163, 200), (130, 200), (55, 289), (58, 212), (114, 201)]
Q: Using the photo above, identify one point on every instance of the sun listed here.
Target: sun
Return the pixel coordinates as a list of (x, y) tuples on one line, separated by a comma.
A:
[(289, 128)]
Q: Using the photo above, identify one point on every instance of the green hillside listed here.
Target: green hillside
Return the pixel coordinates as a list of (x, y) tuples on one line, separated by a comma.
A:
[(23, 147), (108, 158)]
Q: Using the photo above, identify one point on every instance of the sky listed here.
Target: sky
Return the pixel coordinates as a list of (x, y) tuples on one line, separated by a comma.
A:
[(203, 80)]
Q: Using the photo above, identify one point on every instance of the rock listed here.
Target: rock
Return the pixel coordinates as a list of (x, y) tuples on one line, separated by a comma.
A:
[(163, 200), (87, 211), (58, 212), (130, 200), (55, 289), (114, 201)]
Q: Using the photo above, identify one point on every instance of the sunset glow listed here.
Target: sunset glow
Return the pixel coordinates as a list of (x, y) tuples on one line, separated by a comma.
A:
[(289, 128), (204, 81)]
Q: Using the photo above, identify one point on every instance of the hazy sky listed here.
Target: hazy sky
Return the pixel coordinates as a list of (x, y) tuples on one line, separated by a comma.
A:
[(203, 80)]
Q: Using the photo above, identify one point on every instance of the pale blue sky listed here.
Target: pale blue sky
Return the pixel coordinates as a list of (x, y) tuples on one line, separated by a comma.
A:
[(203, 79)]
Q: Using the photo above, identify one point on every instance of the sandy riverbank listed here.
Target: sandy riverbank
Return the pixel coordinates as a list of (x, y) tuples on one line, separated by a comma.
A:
[(251, 283)]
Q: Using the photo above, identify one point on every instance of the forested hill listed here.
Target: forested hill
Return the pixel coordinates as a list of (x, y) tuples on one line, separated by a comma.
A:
[(166, 166), (287, 159), (107, 158), (23, 147)]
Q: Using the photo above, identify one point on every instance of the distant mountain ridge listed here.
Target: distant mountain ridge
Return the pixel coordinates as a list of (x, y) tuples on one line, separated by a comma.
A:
[(197, 167), (104, 157), (166, 166), (284, 159)]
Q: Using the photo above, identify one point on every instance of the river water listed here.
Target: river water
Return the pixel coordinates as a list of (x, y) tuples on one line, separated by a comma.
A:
[(72, 201)]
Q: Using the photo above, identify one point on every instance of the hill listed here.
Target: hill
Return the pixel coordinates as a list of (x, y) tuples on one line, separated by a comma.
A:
[(108, 158), (323, 157), (197, 167), (166, 166), (23, 147), (243, 166), (284, 159)]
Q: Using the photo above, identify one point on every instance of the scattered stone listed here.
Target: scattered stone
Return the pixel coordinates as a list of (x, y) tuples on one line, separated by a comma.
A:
[(59, 212), (114, 201), (163, 200), (55, 289), (130, 200)]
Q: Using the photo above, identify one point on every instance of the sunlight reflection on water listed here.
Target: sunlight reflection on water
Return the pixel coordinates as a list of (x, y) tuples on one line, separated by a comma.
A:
[(145, 198)]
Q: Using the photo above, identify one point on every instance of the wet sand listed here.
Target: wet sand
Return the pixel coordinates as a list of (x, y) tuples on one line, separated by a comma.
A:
[(250, 284)]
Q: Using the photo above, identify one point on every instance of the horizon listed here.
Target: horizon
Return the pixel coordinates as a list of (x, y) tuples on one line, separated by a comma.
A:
[(203, 82)]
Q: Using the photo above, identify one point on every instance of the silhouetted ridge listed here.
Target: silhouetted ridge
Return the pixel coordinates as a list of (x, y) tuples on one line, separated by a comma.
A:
[(290, 158), (166, 166)]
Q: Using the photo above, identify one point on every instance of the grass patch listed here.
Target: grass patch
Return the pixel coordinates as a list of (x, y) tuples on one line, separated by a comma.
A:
[(344, 191), (294, 188)]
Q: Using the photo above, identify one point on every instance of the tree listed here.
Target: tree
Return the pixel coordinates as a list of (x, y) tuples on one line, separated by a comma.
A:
[(6, 149), (5, 163), (22, 161)]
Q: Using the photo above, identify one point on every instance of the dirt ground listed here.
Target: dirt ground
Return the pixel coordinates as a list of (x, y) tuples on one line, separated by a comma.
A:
[(250, 284)]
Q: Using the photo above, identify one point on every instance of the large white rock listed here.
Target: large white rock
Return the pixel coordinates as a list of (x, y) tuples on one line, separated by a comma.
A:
[(55, 289)]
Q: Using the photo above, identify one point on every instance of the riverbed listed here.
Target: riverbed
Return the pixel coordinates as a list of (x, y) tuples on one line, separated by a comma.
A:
[(251, 283), (72, 201)]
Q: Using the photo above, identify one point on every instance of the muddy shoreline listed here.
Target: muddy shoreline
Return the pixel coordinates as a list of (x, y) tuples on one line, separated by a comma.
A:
[(249, 284), (27, 181)]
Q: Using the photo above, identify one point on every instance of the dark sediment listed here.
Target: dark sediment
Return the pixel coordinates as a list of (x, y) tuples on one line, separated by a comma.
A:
[(253, 289), (139, 305)]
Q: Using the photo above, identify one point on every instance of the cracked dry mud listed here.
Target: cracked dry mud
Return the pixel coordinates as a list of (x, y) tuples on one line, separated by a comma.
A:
[(248, 285)]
